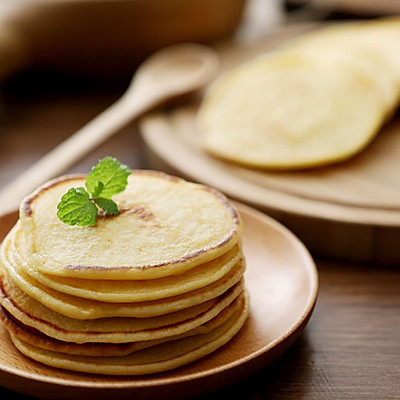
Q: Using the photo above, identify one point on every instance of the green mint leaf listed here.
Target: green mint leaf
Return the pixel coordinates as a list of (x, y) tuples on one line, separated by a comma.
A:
[(75, 208), (97, 189), (113, 176), (107, 205), (80, 207)]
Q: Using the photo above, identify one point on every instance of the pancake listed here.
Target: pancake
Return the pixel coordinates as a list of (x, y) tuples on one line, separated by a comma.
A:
[(372, 47), (166, 226), (151, 289), (290, 110), (37, 338), (318, 100), (379, 36), (366, 61), (113, 329), (80, 308), (163, 357), (123, 291)]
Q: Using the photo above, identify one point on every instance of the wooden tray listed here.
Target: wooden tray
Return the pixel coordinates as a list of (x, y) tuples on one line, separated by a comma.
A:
[(282, 281), (350, 210)]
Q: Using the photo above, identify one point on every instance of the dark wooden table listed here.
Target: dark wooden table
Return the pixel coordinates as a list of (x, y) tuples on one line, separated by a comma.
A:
[(351, 346)]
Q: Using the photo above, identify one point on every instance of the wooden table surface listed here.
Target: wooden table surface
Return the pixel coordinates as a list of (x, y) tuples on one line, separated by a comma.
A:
[(350, 348)]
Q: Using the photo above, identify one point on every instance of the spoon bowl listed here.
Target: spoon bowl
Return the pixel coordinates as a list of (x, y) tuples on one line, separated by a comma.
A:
[(166, 75), (179, 69)]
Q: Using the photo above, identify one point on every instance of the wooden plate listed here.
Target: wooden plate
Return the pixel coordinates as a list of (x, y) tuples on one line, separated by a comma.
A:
[(282, 282), (350, 210)]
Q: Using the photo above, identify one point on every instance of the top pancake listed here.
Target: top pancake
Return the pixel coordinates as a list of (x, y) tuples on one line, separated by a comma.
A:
[(166, 226)]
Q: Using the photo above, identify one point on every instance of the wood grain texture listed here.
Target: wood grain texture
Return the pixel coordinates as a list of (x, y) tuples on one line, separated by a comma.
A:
[(349, 349)]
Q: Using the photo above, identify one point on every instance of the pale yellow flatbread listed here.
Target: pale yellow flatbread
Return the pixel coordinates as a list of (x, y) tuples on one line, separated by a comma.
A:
[(290, 110), (318, 100), (113, 329), (79, 308), (37, 338), (379, 37), (155, 359), (151, 289), (118, 291), (371, 47), (166, 226)]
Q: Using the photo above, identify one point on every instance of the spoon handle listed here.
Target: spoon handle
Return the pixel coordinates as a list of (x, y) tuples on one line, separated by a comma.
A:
[(166, 75), (74, 148)]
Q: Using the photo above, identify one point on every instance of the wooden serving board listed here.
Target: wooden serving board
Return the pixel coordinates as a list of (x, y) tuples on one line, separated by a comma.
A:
[(349, 211), (282, 282)]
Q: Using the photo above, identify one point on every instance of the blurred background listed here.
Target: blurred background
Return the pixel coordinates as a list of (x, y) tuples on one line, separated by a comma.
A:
[(64, 61)]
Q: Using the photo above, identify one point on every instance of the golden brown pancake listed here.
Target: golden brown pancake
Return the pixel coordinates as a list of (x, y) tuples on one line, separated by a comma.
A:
[(113, 329), (80, 308), (37, 338), (166, 226), (162, 357), (151, 289), (118, 291)]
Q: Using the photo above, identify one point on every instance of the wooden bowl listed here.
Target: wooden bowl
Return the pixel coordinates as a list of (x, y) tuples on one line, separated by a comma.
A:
[(105, 38)]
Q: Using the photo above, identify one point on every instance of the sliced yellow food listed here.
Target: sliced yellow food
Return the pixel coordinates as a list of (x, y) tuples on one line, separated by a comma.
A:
[(373, 47), (291, 109)]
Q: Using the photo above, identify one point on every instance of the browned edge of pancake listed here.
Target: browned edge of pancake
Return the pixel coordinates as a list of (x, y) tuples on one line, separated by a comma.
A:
[(229, 295), (35, 337), (27, 211)]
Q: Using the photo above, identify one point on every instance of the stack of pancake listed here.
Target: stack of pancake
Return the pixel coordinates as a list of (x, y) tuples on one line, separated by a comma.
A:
[(154, 288)]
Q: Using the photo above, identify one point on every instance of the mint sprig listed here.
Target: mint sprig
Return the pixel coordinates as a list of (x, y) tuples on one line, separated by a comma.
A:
[(80, 206)]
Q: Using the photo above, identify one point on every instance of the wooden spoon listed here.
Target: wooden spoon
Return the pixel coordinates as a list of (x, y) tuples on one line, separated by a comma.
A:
[(166, 75)]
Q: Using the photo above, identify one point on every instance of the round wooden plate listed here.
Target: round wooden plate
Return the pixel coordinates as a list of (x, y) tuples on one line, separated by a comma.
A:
[(349, 210), (282, 281)]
